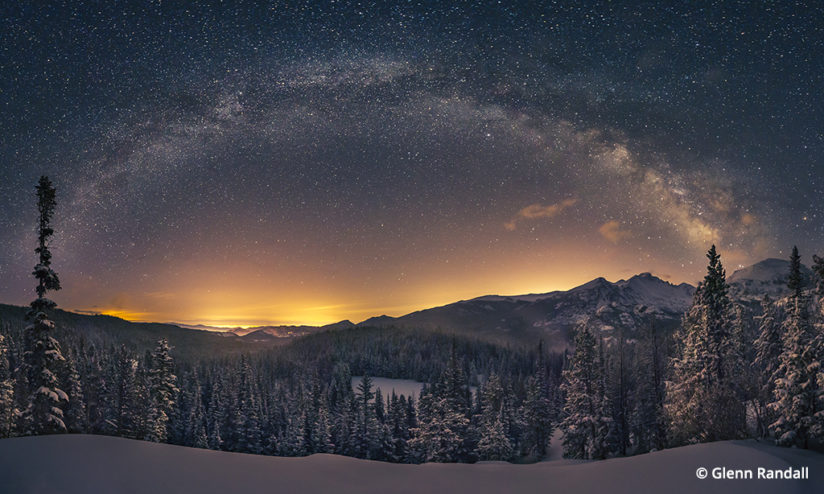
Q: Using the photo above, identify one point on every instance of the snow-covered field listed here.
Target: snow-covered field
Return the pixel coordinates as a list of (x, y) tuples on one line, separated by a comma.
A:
[(95, 464)]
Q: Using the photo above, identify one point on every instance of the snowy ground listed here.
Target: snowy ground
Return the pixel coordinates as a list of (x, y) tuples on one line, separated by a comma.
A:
[(90, 464)]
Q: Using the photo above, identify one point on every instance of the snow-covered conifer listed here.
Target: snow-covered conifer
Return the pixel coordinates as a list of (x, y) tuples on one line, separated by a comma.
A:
[(76, 420), (538, 415), (650, 426), (704, 399), (494, 443), (581, 422), (42, 356), (162, 392), (798, 385), (768, 348), (8, 411)]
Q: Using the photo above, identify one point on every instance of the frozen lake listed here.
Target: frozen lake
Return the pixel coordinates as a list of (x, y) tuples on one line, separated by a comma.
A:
[(404, 387)]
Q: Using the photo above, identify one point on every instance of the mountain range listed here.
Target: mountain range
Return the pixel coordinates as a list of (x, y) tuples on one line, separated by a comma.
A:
[(266, 333), (626, 305), (603, 304)]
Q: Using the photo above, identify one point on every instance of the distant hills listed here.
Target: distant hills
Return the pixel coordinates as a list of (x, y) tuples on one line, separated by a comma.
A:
[(626, 304), (260, 333), (102, 330)]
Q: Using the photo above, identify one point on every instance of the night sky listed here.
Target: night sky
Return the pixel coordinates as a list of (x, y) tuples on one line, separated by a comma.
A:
[(302, 162)]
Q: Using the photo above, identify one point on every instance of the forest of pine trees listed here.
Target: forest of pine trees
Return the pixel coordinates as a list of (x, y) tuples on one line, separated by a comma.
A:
[(730, 371)]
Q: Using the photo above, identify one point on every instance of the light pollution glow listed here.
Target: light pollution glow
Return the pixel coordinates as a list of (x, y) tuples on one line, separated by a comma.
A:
[(315, 302)]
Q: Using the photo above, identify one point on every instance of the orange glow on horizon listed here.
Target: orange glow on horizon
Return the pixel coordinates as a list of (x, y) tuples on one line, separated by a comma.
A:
[(227, 310), (239, 293)]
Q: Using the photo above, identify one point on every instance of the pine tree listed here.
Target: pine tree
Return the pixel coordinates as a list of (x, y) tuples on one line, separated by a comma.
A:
[(8, 411), (383, 443), (323, 436), (192, 427), (96, 390), (76, 420), (292, 444), (445, 433), (438, 436), (397, 421), (704, 398), (127, 399), (818, 269), (162, 392), (246, 431), (494, 443), (768, 348), (216, 415), (650, 424), (367, 428), (538, 416), (42, 356), (606, 442), (581, 424), (617, 385), (343, 425), (798, 386), (795, 280)]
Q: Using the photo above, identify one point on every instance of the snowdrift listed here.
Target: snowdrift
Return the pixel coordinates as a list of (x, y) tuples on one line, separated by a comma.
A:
[(95, 464)]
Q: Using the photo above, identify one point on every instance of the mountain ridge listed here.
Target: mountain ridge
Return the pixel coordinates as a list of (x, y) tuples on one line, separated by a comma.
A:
[(550, 316), (626, 304)]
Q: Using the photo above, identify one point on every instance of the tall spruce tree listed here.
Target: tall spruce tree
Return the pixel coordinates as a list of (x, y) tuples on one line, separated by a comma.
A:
[(216, 414), (538, 415), (96, 389), (397, 420), (606, 441), (42, 356), (704, 399), (494, 444), (247, 423), (581, 424), (444, 431), (367, 426), (650, 425), (798, 387), (127, 398), (768, 349), (162, 392), (617, 387), (76, 419), (323, 434)]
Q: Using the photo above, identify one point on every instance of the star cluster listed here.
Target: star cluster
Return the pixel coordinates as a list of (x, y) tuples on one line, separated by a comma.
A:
[(305, 162)]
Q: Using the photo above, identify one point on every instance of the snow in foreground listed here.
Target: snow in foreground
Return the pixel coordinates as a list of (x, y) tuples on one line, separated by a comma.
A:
[(83, 464)]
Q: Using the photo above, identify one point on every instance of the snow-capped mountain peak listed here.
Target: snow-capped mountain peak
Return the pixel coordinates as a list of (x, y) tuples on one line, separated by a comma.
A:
[(769, 270), (606, 305), (768, 277)]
